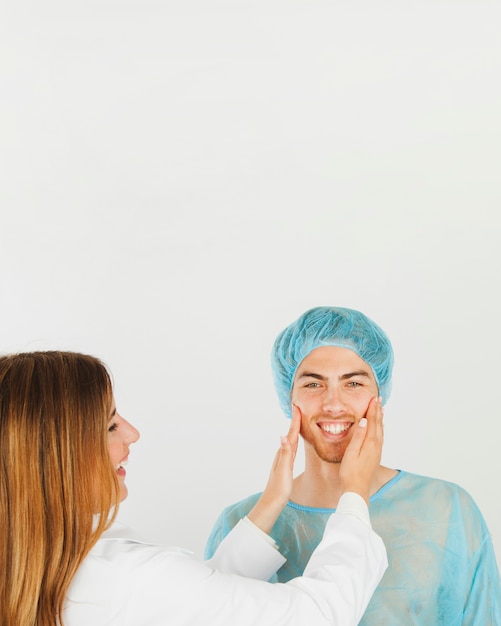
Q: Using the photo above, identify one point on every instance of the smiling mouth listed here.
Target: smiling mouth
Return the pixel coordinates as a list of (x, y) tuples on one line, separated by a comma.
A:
[(335, 429)]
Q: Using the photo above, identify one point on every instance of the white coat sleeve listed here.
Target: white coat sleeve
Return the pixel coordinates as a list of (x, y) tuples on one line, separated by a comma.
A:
[(247, 551), (123, 582), (338, 583)]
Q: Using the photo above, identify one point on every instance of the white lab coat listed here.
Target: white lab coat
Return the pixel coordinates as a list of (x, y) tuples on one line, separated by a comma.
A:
[(125, 582)]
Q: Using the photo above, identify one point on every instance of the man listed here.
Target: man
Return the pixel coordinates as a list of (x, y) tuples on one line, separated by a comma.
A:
[(327, 366)]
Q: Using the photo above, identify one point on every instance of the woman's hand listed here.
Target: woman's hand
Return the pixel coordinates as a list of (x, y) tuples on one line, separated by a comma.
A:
[(363, 454), (278, 489)]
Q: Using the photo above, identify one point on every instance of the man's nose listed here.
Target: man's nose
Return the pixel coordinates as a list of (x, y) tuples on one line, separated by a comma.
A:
[(332, 400)]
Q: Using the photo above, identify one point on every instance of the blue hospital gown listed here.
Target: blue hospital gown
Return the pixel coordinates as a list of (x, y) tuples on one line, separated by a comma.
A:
[(442, 567)]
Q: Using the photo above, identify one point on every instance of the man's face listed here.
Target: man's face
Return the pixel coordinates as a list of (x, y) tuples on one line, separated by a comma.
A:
[(332, 388)]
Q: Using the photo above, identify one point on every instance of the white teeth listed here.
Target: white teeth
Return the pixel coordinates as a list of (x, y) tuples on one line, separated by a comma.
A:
[(122, 464), (335, 429)]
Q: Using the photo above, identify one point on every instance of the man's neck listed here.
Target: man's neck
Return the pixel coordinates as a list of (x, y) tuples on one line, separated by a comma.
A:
[(319, 485)]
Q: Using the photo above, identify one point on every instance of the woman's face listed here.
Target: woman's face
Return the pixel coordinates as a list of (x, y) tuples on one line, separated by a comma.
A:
[(120, 435)]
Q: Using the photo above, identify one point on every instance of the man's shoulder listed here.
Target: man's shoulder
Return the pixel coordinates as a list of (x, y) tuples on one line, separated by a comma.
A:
[(228, 518), (420, 490), (239, 509), (410, 481), (233, 513)]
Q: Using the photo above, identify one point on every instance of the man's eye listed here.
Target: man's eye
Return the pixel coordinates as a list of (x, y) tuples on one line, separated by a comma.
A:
[(354, 383), (312, 385), (113, 427)]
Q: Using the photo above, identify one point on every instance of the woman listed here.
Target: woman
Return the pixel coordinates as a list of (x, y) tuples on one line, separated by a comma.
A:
[(64, 561)]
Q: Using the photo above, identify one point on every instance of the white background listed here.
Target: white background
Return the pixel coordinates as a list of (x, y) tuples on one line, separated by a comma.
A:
[(181, 180)]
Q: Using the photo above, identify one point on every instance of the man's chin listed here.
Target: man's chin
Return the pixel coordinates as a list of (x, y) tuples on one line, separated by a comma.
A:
[(331, 454), (331, 459)]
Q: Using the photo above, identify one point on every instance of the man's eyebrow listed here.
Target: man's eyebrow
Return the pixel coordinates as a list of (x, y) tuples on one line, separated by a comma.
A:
[(346, 376), (356, 373), (311, 375)]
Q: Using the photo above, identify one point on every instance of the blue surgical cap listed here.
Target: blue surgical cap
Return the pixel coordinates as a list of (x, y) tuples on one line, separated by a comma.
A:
[(330, 326)]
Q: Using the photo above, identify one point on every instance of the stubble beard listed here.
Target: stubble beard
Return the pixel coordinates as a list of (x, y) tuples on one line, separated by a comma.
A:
[(331, 453), (328, 452)]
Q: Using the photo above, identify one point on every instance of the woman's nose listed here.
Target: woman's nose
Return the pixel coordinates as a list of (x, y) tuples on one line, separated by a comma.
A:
[(132, 433)]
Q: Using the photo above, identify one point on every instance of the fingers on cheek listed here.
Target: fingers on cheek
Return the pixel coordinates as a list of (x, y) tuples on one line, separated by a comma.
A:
[(372, 406)]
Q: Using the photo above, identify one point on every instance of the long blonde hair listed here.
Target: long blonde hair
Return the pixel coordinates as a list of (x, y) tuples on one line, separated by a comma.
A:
[(58, 490)]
